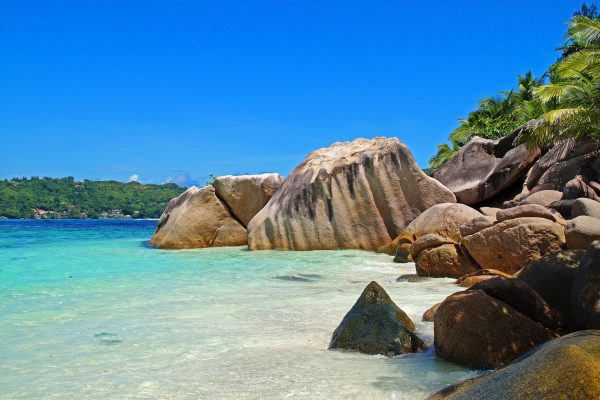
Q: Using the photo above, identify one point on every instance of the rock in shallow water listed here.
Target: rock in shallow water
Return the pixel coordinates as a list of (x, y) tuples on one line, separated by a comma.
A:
[(376, 325), (475, 329), (352, 195), (197, 218)]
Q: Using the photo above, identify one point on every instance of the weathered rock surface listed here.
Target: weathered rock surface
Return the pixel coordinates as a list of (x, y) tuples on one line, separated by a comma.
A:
[(510, 245), (358, 194), (543, 197), (520, 296), (197, 218), (577, 188), (530, 210), (436, 256), (564, 368), (586, 207), (376, 325), (402, 256), (483, 168), (430, 312), (580, 232), (489, 211), (585, 293), (562, 163), (470, 279), (442, 219), (552, 277), (476, 225), (246, 195), (475, 329)]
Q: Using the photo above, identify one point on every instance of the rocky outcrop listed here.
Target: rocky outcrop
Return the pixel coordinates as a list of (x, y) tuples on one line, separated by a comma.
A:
[(483, 168), (376, 325), (523, 298), (358, 194), (246, 195), (564, 162), (530, 210), (543, 197), (585, 293), (578, 188), (197, 218), (564, 368), (475, 329), (586, 207), (442, 219), (552, 277), (580, 232), (511, 244), (437, 256)]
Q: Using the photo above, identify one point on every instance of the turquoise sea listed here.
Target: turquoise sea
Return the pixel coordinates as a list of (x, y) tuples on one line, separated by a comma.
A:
[(89, 311)]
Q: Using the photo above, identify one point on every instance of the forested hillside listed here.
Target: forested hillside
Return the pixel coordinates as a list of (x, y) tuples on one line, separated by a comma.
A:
[(68, 198)]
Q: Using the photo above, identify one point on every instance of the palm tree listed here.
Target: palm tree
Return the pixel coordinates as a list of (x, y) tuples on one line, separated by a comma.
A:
[(573, 96)]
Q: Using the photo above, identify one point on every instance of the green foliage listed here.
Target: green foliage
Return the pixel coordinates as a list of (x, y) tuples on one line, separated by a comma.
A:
[(568, 106), (211, 179), (573, 96), (67, 198)]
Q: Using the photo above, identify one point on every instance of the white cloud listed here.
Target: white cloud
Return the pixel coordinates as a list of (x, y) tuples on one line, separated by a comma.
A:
[(134, 178)]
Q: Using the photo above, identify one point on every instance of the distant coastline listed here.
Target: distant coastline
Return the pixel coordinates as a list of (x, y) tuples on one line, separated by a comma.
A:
[(67, 198)]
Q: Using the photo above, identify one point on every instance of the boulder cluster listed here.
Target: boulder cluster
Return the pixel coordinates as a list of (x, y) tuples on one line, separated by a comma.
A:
[(518, 227)]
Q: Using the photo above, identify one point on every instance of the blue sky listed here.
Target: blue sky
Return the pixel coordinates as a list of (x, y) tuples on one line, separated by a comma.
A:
[(166, 89)]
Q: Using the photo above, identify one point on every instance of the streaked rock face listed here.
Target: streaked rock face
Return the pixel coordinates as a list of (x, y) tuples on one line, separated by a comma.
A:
[(351, 195), (197, 218), (483, 168), (246, 195)]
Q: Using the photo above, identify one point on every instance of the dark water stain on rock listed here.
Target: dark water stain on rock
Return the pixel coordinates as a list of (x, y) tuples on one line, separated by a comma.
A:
[(293, 278)]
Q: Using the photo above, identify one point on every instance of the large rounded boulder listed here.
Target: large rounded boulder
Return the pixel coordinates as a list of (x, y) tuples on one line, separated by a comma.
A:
[(352, 195), (564, 368), (376, 325), (511, 244), (552, 277), (197, 218), (562, 163), (483, 168), (580, 232), (442, 219), (438, 257), (480, 329), (246, 195)]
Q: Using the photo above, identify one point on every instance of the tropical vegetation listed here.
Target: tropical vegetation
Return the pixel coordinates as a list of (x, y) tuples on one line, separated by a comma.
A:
[(562, 103), (68, 198)]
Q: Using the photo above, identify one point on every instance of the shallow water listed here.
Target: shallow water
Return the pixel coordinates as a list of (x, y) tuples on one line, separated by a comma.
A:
[(89, 310)]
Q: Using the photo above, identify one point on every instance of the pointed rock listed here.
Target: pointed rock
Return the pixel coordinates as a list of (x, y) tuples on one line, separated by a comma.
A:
[(376, 325)]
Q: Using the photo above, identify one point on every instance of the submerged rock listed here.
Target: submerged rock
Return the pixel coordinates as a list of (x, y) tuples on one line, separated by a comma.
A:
[(352, 195), (197, 218), (564, 368), (376, 325)]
